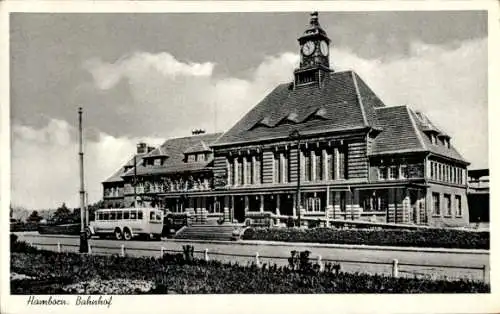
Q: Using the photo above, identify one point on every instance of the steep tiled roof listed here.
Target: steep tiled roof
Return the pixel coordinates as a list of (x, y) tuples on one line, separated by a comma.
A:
[(404, 131), (175, 149), (199, 147), (343, 101), (157, 152), (438, 149), (117, 176), (399, 133)]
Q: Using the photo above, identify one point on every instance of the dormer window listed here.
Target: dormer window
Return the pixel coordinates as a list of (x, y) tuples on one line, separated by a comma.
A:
[(291, 118), (319, 113), (265, 122)]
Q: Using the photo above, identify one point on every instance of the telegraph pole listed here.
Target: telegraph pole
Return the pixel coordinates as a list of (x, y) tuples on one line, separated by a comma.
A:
[(135, 181), (84, 246)]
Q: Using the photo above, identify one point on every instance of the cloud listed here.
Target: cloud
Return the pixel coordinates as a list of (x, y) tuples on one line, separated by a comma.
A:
[(448, 84), (169, 98), (139, 65), (45, 164)]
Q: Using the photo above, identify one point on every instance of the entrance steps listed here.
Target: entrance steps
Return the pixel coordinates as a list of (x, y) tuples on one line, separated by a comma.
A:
[(222, 232)]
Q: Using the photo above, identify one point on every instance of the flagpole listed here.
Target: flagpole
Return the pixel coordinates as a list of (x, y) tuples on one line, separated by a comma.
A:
[(135, 180), (84, 246)]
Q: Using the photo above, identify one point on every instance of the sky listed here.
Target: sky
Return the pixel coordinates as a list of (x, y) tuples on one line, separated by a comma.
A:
[(153, 76)]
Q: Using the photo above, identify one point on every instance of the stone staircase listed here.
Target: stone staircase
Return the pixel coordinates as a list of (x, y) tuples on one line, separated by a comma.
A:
[(207, 232)]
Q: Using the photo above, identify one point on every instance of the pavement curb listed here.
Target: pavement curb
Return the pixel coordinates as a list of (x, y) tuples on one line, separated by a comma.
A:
[(304, 244), (338, 246)]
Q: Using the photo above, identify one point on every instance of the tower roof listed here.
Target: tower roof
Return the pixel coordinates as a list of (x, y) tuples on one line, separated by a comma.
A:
[(344, 102), (314, 28)]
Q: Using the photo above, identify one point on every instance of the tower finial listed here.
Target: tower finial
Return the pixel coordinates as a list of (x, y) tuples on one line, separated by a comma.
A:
[(314, 19)]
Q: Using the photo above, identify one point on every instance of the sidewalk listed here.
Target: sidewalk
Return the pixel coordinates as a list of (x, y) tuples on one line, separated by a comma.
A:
[(303, 244)]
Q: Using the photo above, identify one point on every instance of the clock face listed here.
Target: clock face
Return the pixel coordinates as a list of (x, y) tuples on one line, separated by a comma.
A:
[(308, 48), (324, 48)]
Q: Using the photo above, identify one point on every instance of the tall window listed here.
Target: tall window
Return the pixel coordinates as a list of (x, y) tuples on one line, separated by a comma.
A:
[(281, 169), (403, 171), (230, 172), (382, 173), (313, 203), (393, 173), (307, 166), (286, 167), (330, 165), (248, 170), (319, 165), (258, 169), (276, 168), (436, 210), (240, 171), (447, 202), (342, 201), (373, 200), (458, 205), (342, 162)]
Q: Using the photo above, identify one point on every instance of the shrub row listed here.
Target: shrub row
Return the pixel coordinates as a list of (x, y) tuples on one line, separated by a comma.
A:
[(181, 273), (23, 226), (72, 229), (438, 238)]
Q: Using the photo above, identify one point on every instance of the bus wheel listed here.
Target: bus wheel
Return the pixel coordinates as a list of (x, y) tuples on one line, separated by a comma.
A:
[(118, 234), (127, 235)]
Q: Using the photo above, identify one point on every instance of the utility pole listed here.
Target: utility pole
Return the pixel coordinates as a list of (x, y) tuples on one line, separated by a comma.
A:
[(135, 181), (84, 246)]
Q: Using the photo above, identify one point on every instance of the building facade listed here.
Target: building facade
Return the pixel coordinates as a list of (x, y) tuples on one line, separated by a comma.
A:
[(325, 142)]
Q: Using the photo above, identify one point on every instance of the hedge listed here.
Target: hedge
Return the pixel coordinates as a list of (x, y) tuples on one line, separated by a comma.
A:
[(181, 273), (437, 238)]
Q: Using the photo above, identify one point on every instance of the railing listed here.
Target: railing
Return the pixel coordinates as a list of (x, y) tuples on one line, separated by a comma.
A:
[(394, 264)]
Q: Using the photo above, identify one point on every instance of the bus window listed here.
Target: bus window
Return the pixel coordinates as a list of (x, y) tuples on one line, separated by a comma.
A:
[(105, 216), (152, 216), (133, 214), (119, 215), (139, 215), (98, 216), (158, 216), (126, 214), (112, 216)]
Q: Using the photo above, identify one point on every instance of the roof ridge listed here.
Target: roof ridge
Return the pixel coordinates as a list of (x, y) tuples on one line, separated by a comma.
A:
[(415, 128), (358, 97), (388, 107)]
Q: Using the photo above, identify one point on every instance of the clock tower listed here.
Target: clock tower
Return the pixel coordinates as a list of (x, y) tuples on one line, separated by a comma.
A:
[(314, 54)]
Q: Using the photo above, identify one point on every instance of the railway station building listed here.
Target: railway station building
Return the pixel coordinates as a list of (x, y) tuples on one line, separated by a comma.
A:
[(355, 157)]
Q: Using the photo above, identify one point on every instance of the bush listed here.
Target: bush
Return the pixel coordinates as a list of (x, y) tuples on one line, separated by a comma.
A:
[(20, 246), (54, 272), (439, 238)]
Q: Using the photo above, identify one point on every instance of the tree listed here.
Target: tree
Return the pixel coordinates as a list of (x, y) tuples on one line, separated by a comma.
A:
[(34, 217)]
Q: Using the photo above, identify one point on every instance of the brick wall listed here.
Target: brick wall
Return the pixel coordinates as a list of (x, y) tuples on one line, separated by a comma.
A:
[(444, 220)]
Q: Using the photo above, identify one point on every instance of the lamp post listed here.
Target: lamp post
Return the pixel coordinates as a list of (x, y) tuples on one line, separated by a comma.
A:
[(84, 245), (295, 135)]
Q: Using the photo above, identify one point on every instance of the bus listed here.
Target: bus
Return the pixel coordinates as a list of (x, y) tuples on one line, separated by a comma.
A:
[(127, 223)]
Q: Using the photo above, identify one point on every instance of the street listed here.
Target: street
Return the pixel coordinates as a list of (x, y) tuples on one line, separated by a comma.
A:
[(370, 260)]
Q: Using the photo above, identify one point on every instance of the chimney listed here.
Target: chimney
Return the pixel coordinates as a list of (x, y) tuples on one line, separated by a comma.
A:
[(142, 148), (197, 131)]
